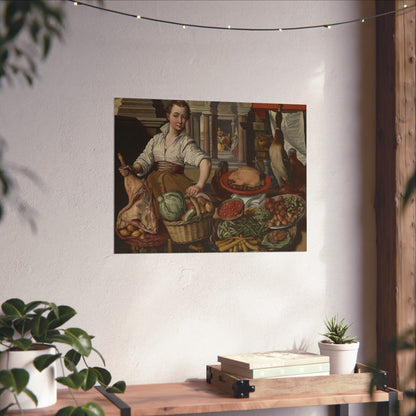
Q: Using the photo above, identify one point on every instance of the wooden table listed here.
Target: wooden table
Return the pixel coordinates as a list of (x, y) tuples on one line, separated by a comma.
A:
[(197, 396)]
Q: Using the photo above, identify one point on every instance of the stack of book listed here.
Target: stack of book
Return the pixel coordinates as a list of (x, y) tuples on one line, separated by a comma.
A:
[(275, 364)]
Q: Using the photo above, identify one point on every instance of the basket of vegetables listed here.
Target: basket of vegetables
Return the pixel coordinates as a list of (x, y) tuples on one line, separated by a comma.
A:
[(187, 219)]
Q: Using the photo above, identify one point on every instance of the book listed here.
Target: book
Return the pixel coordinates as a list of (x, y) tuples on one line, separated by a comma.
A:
[(272, 359), (281, 371)]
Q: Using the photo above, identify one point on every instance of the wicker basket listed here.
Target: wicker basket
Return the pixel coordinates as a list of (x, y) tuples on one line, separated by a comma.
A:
[(196, 229)]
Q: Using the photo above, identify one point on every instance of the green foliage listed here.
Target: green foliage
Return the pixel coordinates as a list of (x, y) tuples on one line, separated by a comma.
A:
[(28, 28), (22, 326), (404, 342), (88, 409), (337, 331), (27, 31)]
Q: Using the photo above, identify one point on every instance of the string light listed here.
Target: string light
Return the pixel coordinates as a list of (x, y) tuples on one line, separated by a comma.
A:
[(280, 29)]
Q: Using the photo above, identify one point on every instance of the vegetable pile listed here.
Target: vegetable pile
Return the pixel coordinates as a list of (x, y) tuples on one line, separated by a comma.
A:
[(245, 226), (238, 243), (231, 208), (285, 210)]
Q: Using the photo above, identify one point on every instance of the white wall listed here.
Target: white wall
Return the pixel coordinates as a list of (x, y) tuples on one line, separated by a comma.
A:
[(163, 317)]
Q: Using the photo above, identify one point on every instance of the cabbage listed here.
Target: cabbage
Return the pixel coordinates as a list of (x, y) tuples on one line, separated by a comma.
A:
[(172, 205)]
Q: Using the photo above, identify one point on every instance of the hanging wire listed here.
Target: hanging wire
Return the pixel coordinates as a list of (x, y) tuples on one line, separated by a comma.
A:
[(246, 29)]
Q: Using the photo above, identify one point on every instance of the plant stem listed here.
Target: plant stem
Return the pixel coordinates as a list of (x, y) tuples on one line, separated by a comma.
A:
[(63, 373), (18, 403)]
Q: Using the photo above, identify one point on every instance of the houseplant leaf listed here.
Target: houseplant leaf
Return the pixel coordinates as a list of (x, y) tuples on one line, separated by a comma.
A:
[(60, 315), (90, 379), (6, 332), (77, 338), (45, 360), (88, 409), (119, 387), (4, 411), (13, 307), (39, 327), (22, 343), (33, 305), (31, 395), (22, 325), (14, 380), (103, 376), (73, 381), (71, 359)]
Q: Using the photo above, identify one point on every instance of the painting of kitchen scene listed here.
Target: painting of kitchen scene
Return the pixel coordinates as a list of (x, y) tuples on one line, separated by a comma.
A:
[(209, 176)]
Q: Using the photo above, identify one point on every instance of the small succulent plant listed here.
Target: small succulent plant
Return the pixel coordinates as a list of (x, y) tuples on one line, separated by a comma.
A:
[(337, 331)]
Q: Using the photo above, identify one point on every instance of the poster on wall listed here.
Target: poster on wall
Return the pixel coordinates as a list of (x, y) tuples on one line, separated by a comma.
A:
[(209, 176)]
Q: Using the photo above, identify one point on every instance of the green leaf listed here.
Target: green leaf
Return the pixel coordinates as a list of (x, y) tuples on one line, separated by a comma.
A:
[(4, 411), (93, 409), (65, 411), (44, 361), (59, 315), (39, 327), (90, 379), (14, 380), (33, 305), (119, 387), (31, 396), (98, 353), (88, 409), (73, 381), (46, 45), (22, 325), (103, 376), (77, 338), (6, 332), (71, 359), (13, 307), (22, 343)]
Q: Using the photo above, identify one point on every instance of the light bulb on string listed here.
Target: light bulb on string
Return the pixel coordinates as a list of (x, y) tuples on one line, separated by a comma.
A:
[(405, 8)]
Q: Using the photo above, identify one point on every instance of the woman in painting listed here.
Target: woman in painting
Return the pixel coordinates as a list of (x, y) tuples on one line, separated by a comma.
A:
[(165, 155)]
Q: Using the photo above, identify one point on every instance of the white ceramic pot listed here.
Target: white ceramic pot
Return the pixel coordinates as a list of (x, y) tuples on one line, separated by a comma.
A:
[(42, 384), (342, 357)]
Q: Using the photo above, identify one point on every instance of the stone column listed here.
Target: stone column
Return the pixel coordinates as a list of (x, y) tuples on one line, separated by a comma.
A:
[(207, 142), (242, 139), (214, 128), (196, 127)]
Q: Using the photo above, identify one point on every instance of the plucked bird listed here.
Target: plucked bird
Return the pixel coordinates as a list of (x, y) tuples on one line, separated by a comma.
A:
[(279, 159)]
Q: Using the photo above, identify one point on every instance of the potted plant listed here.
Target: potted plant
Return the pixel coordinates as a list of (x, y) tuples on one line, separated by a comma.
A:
[(341, 347), (34, 331)]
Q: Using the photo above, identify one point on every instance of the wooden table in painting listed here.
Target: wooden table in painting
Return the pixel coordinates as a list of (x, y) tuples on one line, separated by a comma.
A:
[(197, 396)]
